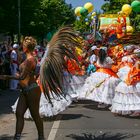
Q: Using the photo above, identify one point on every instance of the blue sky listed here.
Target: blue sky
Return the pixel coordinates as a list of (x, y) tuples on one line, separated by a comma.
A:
[(97, 3)]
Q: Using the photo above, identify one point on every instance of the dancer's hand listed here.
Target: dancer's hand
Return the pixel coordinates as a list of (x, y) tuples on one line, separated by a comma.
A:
[(17, 74)]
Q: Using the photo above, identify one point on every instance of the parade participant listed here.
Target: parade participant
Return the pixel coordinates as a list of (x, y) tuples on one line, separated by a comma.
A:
[(93, 57), (116, 53), (75, 80), (51, 76), (28, 85), (127, 100), (14, 66), (92, 60), (99, 86), (127, 61)]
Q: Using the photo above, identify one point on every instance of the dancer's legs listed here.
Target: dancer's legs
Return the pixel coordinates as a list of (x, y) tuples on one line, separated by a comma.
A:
[(33, 99), (20, 111)]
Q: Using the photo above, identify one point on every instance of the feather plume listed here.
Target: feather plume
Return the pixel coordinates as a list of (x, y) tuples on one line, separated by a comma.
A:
[(51, 72)]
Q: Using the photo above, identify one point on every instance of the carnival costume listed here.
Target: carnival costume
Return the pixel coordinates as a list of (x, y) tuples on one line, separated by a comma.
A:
[(99, 86), (75, 81), (127, 93)]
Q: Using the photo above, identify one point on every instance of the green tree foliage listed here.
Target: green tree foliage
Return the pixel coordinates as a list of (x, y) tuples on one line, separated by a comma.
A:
[(80, 24), (28, 10), (114, 6), (37, 16), (51, 15), (8, 16)]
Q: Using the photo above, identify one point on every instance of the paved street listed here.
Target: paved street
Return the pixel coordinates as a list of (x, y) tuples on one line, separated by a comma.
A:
[(81, 121)]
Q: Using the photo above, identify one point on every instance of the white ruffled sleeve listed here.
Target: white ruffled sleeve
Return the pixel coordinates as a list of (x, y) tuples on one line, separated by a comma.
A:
[(127, 59), (109, 60)]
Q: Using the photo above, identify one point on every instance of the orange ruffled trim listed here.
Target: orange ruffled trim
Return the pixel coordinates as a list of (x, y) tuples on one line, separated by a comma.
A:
[(133, 76), (107, 71), (123, 64), (74, 68), (115, 67)]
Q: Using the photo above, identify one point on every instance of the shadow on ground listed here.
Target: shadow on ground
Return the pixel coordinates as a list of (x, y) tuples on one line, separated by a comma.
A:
[(105, 136), (88, 105), (94, 107), (73, 116), (66, 117), (6, 137), (7, 99)]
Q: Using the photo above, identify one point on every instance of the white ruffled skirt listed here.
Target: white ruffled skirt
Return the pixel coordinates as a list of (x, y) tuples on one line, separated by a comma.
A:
[(73, 84), (126, 99), (46, 109), (123, 72), (99, 87)]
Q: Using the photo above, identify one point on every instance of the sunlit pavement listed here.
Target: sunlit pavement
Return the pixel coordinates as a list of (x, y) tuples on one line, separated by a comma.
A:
[(81, 121)]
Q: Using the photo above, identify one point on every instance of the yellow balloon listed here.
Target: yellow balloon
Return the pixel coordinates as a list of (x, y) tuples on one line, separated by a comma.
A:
[(126, 13), (129, 29), (89, 6), (77, 11), (121, 13), (126, 8), (87, 23), (93, 14), (92, 17)]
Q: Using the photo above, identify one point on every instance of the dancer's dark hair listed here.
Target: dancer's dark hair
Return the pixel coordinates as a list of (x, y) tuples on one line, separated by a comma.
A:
[(102, 55)]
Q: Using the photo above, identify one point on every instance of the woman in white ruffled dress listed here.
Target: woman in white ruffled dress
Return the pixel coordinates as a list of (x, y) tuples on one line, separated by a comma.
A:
[(99, 86), (73, 85), (127, 94), (74, 80)]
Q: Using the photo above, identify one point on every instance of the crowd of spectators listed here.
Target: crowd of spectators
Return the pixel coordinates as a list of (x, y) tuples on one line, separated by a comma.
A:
[(5, 50), (11, 54)]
